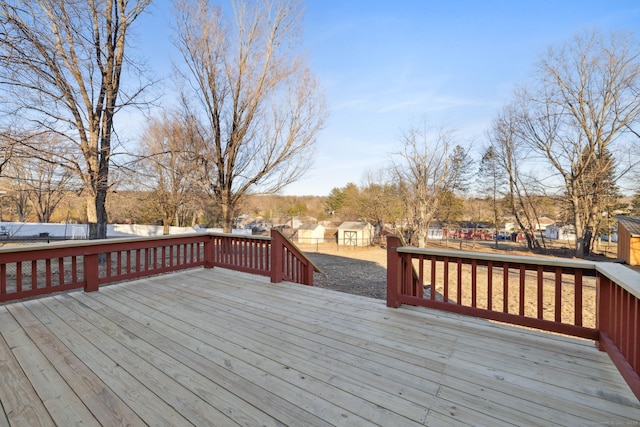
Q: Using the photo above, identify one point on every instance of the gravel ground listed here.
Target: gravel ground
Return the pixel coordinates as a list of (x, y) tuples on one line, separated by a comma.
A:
[(355, 271)]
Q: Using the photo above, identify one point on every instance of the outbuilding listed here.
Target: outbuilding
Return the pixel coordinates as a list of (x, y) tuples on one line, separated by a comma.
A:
[(311, 233), (354, 233), (629, 239)]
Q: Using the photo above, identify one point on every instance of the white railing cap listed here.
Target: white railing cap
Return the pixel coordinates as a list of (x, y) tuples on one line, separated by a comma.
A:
[(622, 275)]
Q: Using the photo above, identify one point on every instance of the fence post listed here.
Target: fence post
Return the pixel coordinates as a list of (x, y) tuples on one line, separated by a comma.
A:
[(277, 255), (394, 271), (91, 272), (209, 258)]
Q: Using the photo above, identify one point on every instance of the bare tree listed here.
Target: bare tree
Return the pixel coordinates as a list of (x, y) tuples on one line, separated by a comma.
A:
[(62, 65), (43, 184), (585, 102), (427, 167), (169, 146), (259, 108), (380, 200), (492, 178), (510, 153)]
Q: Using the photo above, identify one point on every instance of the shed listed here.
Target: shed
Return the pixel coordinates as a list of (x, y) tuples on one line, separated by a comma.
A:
[(354, 233), (311, 233), (629, 239)]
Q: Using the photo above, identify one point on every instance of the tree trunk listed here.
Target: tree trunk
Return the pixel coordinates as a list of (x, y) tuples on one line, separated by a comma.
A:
[(227, 220), (579, 228), (97, 215)]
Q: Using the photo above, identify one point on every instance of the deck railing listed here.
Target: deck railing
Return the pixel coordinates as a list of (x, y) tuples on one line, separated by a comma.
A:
[(591, 300), (34, 270)]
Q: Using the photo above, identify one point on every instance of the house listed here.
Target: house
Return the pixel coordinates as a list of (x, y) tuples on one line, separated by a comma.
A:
[(310, 233), (560, 232), (543, 222), (354, 233), (435, 233), (629, 239)]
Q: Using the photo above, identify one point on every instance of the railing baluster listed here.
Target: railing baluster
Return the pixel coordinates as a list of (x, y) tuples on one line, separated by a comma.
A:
[(540, 294), (578, 297), (34, 274), (61, 271), (489, 285), (474, 283), (459, 283), (505, 287), (445, 280), (19, 276), (557, 308), (3, 279), (521, 296), (74, 269), (119, 263)]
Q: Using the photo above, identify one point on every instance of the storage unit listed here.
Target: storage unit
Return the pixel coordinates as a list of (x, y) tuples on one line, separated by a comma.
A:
[(353, 233), (310, 233), (629, 239)]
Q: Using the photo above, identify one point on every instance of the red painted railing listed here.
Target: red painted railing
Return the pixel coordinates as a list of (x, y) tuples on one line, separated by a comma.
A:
[(30, 271), (618, 319), (288, 262), (592, 300)]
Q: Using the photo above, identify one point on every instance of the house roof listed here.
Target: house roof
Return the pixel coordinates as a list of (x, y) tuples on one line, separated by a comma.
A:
[(631, 224), (354, 225)]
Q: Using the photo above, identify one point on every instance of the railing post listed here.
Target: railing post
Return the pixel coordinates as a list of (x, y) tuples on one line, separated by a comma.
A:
[(603, 305), (209, 256), (277, 255), (394, 271), (91, 273), (308, 273)]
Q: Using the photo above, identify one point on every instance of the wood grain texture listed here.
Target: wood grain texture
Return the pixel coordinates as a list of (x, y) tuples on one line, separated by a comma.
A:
[(218, 347)]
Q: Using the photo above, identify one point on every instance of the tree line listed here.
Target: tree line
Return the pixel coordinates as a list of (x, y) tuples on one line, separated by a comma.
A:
[(247, 110), (246, 117), (571, 132)]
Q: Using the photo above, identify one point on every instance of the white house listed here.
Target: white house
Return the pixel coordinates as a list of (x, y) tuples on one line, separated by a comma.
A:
[(560, 232), (354, 233), (436, 233), (543, 223)]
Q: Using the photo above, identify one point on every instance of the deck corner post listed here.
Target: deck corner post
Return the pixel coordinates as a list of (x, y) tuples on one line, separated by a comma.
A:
[(209, 255), (277, 256), (91, 273), (393, 271), (603, 309)]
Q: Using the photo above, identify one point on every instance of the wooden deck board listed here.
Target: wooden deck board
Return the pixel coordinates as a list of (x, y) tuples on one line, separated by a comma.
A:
[(217, 347)]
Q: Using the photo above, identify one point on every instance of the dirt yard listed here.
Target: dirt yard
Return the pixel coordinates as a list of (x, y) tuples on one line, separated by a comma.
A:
[(362, 271)]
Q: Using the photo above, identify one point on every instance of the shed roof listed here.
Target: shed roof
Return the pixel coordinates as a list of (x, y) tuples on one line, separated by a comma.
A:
[(354, 225), (631, 224), (309, 226)]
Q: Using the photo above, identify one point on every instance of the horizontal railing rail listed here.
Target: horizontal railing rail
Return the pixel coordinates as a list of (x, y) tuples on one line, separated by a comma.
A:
[(34, 270), (591, 300)]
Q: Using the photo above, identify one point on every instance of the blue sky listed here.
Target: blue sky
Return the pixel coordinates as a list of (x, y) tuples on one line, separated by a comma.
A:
[(385, 65)]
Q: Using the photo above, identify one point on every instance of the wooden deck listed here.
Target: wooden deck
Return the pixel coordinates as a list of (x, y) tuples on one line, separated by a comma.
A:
[(218, 347)]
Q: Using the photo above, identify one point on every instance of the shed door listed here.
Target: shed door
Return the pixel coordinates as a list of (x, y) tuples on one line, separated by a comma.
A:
[(351, 238)]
